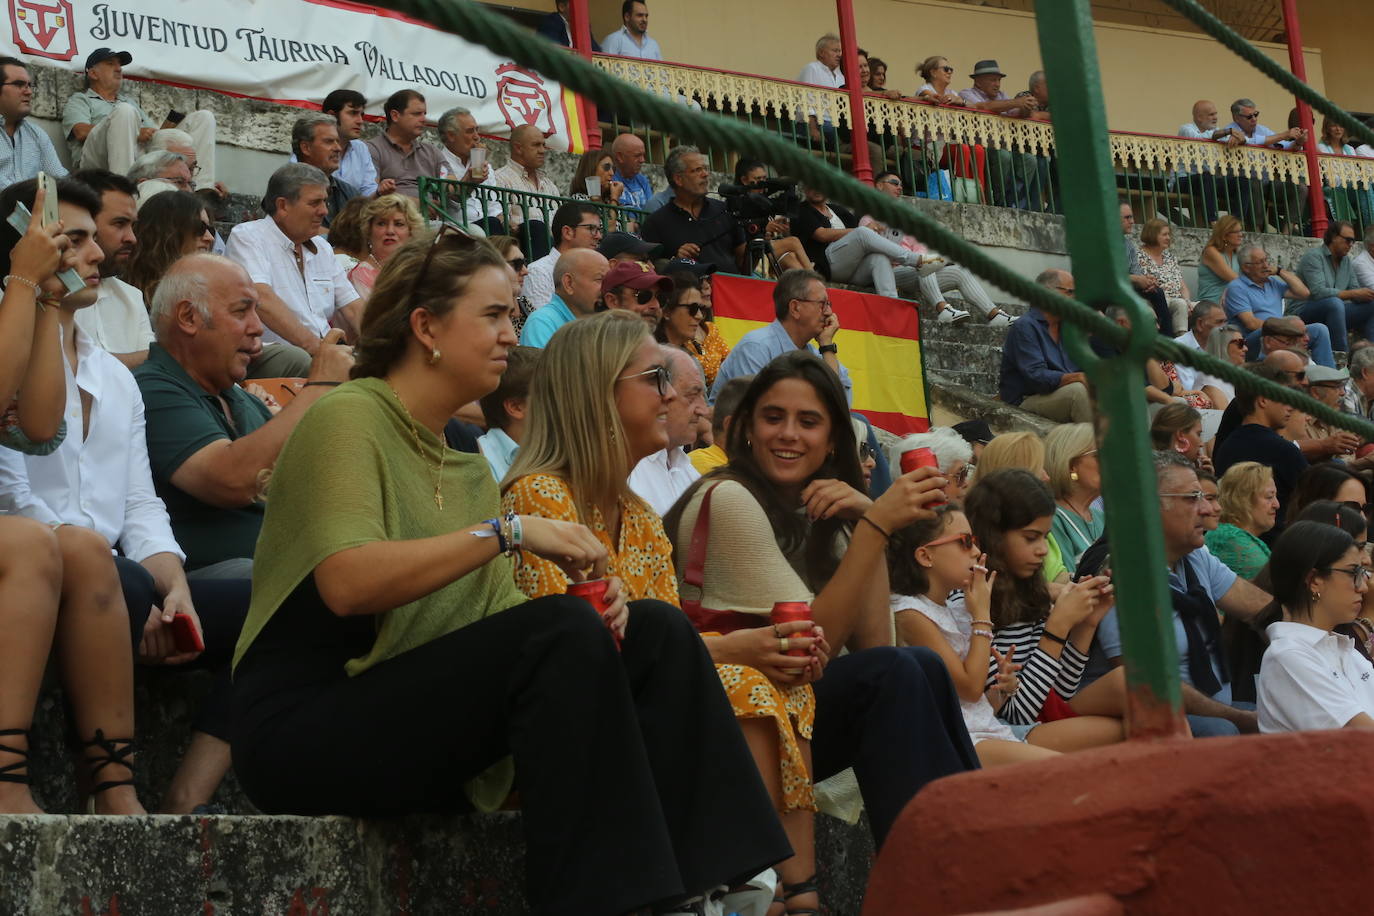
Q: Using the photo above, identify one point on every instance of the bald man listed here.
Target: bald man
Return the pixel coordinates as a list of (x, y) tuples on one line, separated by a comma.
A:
[(577, 281), (524, 172), (1204, 184), (627, 152)]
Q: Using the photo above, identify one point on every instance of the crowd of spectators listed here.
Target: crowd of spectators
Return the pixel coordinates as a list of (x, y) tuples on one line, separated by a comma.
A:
[(353, 465)]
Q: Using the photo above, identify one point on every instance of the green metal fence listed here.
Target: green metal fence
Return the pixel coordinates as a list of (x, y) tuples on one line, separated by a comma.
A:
[(1096, 247)]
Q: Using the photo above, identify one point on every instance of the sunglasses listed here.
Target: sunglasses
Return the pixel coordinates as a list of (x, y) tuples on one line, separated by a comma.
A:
[(946, 69), (660, 374), (1249, 117), (644, 296), (865, 451), (696, 310), (517, 264), (965, 541), (202, 228)]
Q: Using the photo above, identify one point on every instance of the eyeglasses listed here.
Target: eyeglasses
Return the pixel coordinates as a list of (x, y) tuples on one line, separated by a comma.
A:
[(1066, 290), (964, 474), (182, 183), (823, 303), (966, 541), (1347, 238), (895, 182), (1357, 574), (1361, 508), (517, 264), (1238, 342), (21, 85), (660, 374), (1194, 497), (946, 69), (865, 451), (593, 228)]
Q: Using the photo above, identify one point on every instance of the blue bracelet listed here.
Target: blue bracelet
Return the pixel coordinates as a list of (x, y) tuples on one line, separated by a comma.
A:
[(495, 523)]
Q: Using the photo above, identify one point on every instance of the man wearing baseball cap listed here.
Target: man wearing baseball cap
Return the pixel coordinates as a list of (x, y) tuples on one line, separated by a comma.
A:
[(622, 246), (633, 286), (106, 128)]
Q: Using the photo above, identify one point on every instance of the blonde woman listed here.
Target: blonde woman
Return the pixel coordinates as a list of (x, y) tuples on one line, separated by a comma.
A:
[(1025, 450), (1076, 481), (1249, 506), (388, 223), (1220, 261)]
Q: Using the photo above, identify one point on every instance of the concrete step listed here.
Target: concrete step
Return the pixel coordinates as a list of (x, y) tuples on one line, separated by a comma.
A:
[(308, 866), (970, 403)]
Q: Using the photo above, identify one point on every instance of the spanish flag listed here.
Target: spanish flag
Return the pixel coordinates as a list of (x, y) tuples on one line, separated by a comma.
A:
[(879, 341)]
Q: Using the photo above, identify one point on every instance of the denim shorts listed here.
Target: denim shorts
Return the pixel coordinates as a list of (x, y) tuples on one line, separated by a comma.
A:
[(1021, 731)]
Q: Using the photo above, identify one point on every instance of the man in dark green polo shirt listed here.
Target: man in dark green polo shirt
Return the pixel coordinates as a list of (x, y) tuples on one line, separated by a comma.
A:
[(209, 441)]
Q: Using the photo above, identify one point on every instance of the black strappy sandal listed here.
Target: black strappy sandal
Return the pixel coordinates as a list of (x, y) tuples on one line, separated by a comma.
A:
[(19, 770), (796, 890), (117, 751)]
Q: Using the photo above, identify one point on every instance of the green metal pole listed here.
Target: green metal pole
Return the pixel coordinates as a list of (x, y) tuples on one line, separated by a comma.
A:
[(1092, 224)]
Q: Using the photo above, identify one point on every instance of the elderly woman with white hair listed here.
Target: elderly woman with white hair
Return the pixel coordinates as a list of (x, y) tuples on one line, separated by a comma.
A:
[(952, 452)]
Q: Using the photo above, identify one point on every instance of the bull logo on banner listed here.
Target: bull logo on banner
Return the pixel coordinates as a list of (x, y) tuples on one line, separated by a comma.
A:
[(43, 28), (523, 99)]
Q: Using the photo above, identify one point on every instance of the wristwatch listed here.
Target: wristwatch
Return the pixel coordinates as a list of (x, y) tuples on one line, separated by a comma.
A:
[(827, 348)]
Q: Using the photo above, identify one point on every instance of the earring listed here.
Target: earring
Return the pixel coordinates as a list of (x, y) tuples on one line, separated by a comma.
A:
[(1073, 475), (1316, 596), (434, 356)]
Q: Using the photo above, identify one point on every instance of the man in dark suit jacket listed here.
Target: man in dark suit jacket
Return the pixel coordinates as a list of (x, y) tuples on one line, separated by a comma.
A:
[(557, 29)]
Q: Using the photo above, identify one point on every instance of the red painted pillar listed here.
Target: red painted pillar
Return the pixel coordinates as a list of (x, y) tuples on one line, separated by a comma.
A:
[(580, 25), (1299, 67), (858, 126)]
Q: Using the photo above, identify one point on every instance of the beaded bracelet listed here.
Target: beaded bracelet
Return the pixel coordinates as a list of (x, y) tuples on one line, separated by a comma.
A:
[(12, 278)]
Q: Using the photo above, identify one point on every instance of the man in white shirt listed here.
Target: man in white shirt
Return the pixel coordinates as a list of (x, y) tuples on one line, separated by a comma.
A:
[(1204, 126), (302, 287), (632, 39), (1205, 317), (824, 71), (665, 475), (524, 172), (118, 321), (575, 225), (458, 134)]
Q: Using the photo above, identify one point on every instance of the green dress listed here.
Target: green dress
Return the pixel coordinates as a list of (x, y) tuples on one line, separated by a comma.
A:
[(1242, 552)]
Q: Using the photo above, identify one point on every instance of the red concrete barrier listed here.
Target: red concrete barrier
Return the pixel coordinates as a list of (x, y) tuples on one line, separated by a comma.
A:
[(1273, 824)]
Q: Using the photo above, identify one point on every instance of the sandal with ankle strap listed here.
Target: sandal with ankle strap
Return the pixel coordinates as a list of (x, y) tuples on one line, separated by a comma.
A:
[(117, 751), (796, 890), (19, 770)]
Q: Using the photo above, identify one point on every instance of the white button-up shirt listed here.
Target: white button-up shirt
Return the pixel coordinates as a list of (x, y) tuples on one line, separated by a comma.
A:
[(457, 169), (662, 477), (101, 482), (1311, 679), (538, 286), (270, 258), (118, 322)]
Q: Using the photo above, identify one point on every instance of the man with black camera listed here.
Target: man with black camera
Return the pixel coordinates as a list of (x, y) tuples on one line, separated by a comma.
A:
[(763, 207), (692, 225)]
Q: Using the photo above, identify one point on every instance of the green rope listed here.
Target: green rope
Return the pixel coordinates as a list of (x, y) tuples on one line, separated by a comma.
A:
[(501, 36), (1267, 65)]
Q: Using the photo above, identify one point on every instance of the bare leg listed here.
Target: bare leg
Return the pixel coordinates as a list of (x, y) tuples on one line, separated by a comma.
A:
[(1105, 696), (95, 656), (202, 769), (993, 752), (1078, 734), (30, 579), (800, 826), (790, 253)]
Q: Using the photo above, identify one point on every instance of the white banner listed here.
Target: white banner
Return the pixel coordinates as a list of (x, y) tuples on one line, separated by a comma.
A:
[(295, 52)]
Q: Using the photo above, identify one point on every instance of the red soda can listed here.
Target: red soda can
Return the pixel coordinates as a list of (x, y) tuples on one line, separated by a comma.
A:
[(921, 458), (789, 612), (593, 591)]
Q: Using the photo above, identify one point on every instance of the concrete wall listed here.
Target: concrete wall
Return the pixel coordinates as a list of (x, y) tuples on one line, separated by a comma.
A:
[(1343, 31)]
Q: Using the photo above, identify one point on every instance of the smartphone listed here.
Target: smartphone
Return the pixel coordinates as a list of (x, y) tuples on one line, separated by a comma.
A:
[(175, 117), (49, 186), (185, 634)]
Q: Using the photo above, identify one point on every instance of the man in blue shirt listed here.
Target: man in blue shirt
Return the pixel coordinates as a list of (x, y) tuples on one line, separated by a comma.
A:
[(25, 150), (577, 292), (632, 39), (802, 305), (1258, 293), (627, 151), (1037, 374)]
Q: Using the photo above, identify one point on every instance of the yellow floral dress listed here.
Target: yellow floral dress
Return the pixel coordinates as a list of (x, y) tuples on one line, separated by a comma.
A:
[(643, 560), (711, 353)]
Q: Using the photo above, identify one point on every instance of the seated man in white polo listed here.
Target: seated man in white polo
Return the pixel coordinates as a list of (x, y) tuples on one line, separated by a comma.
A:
[(106, 128)]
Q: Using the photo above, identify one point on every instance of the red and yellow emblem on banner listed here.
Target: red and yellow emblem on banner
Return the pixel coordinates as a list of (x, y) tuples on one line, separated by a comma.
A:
[(879, 341)]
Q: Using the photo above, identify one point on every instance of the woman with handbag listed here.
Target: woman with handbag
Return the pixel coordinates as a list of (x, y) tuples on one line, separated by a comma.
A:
[(787, 520), (596, 409)]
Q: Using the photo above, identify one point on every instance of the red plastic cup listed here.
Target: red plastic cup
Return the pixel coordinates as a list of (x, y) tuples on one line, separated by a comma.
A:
[(921, 458), (789, 612), (593, 591)]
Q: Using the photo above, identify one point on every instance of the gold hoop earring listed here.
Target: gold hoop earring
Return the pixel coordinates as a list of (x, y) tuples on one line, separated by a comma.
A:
[(435, 356)]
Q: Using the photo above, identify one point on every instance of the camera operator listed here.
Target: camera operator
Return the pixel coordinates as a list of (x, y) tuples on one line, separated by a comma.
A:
[(764, 209)]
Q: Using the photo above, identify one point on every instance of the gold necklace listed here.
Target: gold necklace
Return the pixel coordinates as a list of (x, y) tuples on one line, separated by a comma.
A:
[(437, 471)]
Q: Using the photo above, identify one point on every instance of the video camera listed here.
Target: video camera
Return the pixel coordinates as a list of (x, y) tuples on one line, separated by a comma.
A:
[(752, 206)]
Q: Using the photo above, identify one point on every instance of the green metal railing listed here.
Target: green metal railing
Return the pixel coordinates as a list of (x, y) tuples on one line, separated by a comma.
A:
[(1095, 244), (502, 211)]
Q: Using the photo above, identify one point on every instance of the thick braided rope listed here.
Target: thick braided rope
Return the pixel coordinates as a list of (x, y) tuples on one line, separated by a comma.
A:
[(1270, 68), (475, 23)]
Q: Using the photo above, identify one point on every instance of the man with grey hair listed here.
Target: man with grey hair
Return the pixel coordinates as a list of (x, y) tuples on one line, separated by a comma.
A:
[(1038, 92), (665, 475), (1359, 398), (577, 278), (302, 287), (824, 71), (1204, 317), (951, 451), (158, 171), (209, 440), (458, 134), (692, 225), (315, 141), (1258, 294), (1245, 118), (1037, 372)]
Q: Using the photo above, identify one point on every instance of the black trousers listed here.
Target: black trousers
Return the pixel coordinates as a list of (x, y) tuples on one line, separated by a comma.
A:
[(894, 716), (635, 782), (222, 606)]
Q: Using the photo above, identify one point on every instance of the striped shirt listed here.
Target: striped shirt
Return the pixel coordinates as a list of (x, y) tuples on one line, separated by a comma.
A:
[(1040, 672), (26, 154)]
